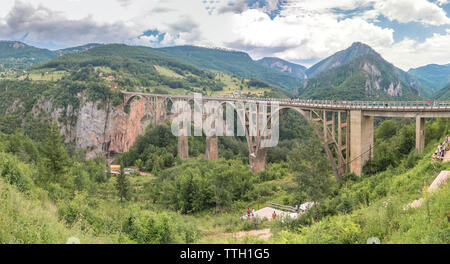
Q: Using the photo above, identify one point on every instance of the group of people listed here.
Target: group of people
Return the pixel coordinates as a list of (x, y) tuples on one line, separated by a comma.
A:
[(441, 149), (252, 212)]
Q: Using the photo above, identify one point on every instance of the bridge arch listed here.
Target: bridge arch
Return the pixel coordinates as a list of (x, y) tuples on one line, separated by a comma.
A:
[(338, 169)]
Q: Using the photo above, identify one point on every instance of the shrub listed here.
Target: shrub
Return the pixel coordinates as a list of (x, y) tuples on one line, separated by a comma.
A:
[(15, 173)]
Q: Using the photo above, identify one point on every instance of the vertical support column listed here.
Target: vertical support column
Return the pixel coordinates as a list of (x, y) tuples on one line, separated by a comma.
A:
[(333, 124), (340, 129), (183, 144), (212, 151), (347, 137), (420, 134), (258, 160), (361, 140), (211, 146), (183, 147), (339, 137)]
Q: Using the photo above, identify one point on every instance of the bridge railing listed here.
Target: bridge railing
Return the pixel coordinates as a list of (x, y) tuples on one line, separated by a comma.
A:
[(328, 104)]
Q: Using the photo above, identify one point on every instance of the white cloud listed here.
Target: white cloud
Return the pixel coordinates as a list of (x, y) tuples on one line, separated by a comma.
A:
[(409, 53), (40, 24), (301, 30), (412, 11), (303, 35)]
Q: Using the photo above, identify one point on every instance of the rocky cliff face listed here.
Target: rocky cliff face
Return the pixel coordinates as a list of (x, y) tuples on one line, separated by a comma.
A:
[(374, 78), (296, 70), (99, 129)]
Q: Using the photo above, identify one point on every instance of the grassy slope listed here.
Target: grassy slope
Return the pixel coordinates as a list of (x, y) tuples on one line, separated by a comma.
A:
[(151, 71), (230, 62), (385, 217), (28, 220), (31, 218)]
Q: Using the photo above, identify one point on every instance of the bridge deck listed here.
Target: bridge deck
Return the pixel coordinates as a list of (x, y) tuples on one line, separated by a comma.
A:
[(383, 106)]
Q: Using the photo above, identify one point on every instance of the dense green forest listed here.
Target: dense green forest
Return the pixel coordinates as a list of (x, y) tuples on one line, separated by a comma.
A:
[(443, 93), (54, 192), (435, 76)]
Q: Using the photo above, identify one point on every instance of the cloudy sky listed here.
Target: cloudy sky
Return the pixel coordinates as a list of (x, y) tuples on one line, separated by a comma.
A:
[(408, 33)]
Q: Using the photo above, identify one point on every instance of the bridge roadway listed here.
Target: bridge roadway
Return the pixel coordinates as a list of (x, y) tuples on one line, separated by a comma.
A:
[(353, 147), (408, 108)]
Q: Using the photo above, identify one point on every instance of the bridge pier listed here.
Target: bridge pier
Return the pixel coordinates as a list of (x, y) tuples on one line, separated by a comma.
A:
[(160, 110), (258, 160), (361, 140), (183, 142), (420, 134), (212, 151), (183, 147)]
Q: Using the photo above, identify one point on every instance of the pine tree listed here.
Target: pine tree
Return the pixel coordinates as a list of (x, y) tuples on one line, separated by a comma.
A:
[(56, 159), (123, 185)]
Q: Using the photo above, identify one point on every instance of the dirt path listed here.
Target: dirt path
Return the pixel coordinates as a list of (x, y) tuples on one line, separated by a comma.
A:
[(442, 178), (447, 156), (262, 234)]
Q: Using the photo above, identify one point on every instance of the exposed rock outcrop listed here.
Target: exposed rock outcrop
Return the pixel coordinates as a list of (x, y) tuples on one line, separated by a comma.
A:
[(99, 128)]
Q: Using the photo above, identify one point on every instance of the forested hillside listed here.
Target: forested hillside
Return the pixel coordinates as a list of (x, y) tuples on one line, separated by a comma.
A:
[(231, 62), (364, 78), (443, 93), (295, 70), (140, 68), (433, 75), (16, 56), (77, 49)]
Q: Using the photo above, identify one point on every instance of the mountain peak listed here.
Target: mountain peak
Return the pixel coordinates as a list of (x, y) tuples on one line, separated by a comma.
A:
[(358, 44), (13, 44), (361, 49), (356, 50)]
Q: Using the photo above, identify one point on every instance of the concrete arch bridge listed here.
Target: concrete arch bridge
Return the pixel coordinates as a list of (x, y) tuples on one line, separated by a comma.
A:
[(345, 127)]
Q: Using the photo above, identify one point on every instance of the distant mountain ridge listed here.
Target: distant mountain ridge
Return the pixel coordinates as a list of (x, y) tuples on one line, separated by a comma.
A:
[(289, 76), (358, 73), (434, 75), (77, 49), (18, 55), (231, 62), (356, 50), (16, 49), (295, 70), (391, 74)]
